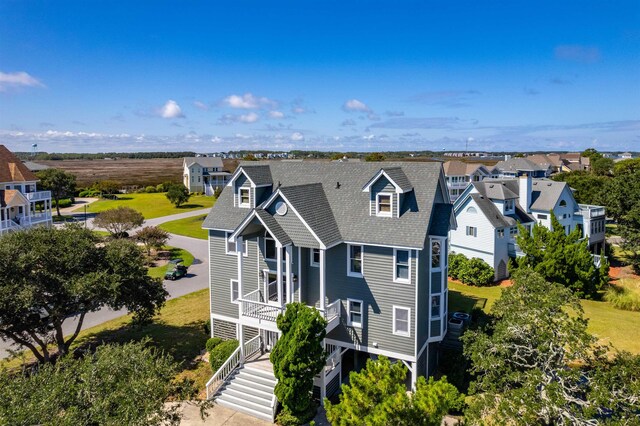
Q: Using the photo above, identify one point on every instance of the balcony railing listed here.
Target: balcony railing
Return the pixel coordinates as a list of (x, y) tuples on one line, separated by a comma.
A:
[(38, 195), (590, 211)]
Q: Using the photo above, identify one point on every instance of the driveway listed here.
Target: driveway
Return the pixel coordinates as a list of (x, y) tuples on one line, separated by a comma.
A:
[(197, 278)]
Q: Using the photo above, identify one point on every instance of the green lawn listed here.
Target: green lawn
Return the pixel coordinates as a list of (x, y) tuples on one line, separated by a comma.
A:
[(158, 271), (189, 227), (151, 205), (609, 324)]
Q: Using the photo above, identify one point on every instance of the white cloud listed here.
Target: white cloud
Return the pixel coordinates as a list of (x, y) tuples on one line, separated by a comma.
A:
[(249, 101), (201, 105), (17, 79), (368, 137), (171, 109), (252, 117), (355, 105), (276, 114), (297, 136)]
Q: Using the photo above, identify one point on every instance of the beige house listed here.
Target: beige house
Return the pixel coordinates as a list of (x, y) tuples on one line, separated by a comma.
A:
[(21, 204), (204, 174)]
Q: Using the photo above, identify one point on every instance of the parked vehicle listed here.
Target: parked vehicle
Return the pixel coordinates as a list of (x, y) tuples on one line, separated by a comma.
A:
[(175, 270)]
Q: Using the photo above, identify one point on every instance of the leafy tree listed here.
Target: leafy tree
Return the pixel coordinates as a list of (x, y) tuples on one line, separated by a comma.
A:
[(601, 166), (108, 187), (628, 166), (60, 183), (116, 385), (48, 275), (250, 157), (152, 237), (377, 395), (591, 153), (537, 364), (178, 194), (476, 271), (119, 221), (457, 262), (297, 357), (374, 156), (561, 258), (589, 188)]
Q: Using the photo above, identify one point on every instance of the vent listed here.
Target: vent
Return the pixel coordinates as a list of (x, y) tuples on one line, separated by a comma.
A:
[(337, 185)]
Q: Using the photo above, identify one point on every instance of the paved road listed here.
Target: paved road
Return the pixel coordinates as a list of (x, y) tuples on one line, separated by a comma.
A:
[(197, 278)]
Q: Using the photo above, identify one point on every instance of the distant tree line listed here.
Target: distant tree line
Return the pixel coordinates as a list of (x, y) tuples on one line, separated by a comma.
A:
[(101, 155)]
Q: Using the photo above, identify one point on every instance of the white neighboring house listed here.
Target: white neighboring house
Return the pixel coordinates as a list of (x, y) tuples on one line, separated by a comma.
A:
[(21, 204), (487, 214), (204, 174), (459, 174)]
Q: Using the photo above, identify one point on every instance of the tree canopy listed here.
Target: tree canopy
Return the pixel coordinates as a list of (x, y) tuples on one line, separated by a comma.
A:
[(117, 385), (562, 258), (119, 221), (377, 395), (152, 237), (297, 357), (178, 194), (374, 156), (48, 275), (61, 184), (535, 363)]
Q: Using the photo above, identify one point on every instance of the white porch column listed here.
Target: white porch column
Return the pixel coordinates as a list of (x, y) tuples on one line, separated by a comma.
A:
[(239, 251), (241, 342), (414, 374), (300, 274), (279, 272), (323, 375), (288, 259), (323, 277)]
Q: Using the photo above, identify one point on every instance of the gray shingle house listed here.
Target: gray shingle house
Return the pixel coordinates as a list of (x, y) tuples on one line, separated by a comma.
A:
[(365, 243)]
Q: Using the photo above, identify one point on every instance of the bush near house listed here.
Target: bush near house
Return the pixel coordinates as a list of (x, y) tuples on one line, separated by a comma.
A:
[(474, 271), (212, 343), (221, 353)]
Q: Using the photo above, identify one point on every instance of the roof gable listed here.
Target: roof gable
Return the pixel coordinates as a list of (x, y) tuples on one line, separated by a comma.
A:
[(12, 169), (395, 176)]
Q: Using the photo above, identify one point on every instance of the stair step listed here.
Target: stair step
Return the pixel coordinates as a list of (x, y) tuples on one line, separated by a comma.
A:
[(257, 379), (259, 372), (248, 390), (249, 383), (264, 400), (242, 402), (242, 409)]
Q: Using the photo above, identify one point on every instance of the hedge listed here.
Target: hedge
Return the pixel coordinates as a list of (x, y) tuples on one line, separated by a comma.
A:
[(221, 353), (212, 343), (474, 271)]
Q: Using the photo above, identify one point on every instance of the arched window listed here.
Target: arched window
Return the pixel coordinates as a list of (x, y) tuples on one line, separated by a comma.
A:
[(472, 210), (563, 203)]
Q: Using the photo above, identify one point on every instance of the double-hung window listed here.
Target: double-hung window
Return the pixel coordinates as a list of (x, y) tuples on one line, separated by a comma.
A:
[(354, 260), (354, 314), (401, 318), (435, 306), (436, 251), (235, 291), (472, 231), (315, 257), (269, 248), (383, 204), (402, 266), (232, 248), (500, 233), (245, 199)]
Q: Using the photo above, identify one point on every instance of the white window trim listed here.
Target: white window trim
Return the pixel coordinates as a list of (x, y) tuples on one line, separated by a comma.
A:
[(240, 203), (378, 212), (355, 324), (474, 234), (355, 274), (264, 246), (395, 267), (441, 241), (311, 262), (231, 282), (394, 330), (439, 316), (235, 252)]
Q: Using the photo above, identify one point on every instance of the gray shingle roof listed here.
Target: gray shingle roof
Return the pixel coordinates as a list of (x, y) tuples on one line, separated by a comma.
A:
[(259, 174), (275, 228), (204, 161), (397, 175), (545, 194), (497, 189), (515, 164), (441, 219), (348, 204)]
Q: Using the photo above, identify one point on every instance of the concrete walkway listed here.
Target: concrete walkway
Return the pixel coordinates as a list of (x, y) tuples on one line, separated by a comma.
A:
[(196, 279), (217, 416)]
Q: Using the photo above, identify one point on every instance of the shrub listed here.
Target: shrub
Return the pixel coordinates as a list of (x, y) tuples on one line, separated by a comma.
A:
[(221, 353), (150, 189), (212, 343), (160, 187), (476, 272), (89, 193), (623, 298), (206, 328), (65, 202), (457, 262)]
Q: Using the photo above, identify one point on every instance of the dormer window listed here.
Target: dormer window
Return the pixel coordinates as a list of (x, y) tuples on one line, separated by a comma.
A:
[(509, 205), (245, 199), (383, 204)]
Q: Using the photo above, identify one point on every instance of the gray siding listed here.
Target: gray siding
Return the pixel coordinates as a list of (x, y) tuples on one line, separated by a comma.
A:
[(383, 185), (223, 329), (243, 182), (379, 294)]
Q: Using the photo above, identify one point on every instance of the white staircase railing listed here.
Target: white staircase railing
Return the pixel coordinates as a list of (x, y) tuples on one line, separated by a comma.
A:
[(251, 347), (332, 310)]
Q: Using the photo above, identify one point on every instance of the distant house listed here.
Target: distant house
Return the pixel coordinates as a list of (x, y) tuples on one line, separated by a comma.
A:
[(204, 174), (364, 243), (626, 155), (519, 166), (575, 161), (488, 212), (553, 161), (21, 204), (459, 174)]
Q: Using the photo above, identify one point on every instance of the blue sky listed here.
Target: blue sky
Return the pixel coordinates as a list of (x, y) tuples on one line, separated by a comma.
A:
[(97, 76)]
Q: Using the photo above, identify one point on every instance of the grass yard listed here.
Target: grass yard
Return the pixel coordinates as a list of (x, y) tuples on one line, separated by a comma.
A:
[(620, 328), (151, 205), (177, 330), (189, 227), (158, 271)]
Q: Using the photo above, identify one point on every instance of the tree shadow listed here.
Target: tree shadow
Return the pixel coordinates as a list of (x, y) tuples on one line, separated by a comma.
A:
[(459, 302), (191, 206)]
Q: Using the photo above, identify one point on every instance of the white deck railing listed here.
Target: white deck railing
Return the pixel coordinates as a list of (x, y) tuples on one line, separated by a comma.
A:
[(332, 310), (38, 195), (252, 347), (220, 377)]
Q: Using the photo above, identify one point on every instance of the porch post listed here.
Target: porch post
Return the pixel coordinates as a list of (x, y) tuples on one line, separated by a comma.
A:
[(323, 375), (414, 374), (239, 251), (288, 259), (279, 271), (323, 274)]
